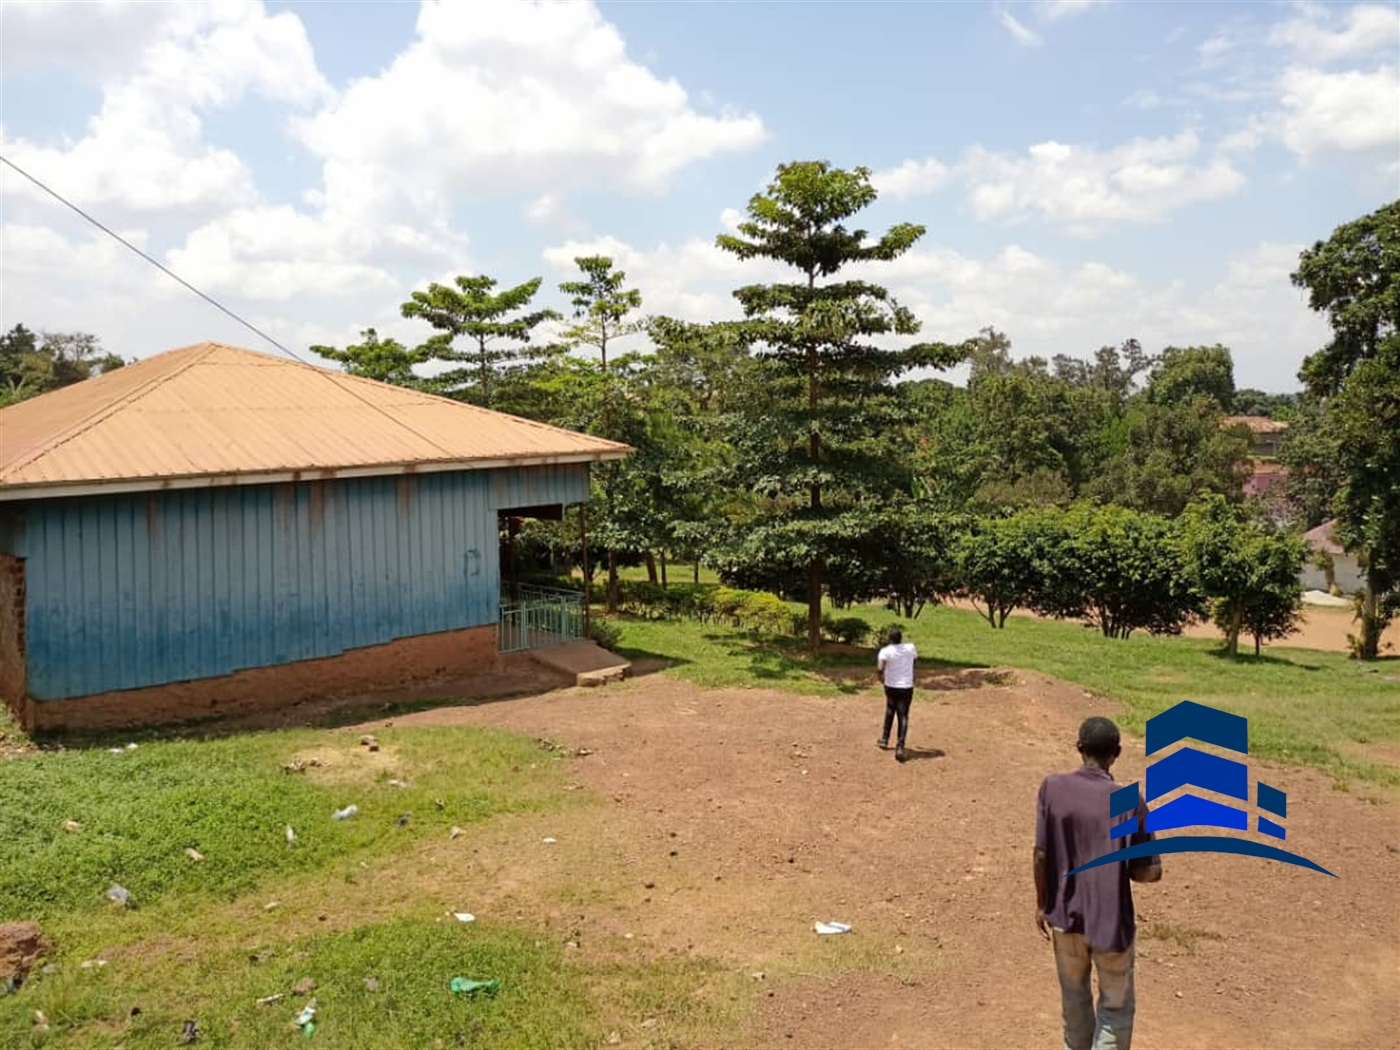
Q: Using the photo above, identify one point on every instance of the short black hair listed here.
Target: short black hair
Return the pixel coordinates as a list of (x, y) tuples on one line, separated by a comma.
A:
[(896, 636), (1098, 738)]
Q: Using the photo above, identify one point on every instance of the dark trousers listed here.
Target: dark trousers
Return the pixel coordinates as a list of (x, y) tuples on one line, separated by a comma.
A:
[(897, 702)]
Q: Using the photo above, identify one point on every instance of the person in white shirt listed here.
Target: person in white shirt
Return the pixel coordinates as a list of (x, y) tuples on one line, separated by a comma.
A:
[(896, 664)]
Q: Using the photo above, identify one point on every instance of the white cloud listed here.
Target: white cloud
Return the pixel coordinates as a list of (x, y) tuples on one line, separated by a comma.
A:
[(1215, 47), (1086, 190), (1348, 112), (520, 97), (1022, 35), (1143, 98), (1051, 10), (1045, 306), (1318, 34), (92, 41), (143, 150), (542, 209), (913, 178)]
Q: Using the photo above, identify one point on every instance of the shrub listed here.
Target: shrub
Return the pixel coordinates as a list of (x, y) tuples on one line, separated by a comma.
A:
[(882, 636), (764, 613), (605, 633), (848, 630)]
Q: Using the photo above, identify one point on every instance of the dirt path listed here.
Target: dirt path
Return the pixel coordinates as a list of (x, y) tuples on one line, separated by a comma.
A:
[(738, 817)]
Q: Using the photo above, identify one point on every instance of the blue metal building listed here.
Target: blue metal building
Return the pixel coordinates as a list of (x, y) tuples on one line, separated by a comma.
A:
[(213, 510)]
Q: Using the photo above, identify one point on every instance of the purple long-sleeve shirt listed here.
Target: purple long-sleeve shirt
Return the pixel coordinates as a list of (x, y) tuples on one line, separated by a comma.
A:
[(1072, 827)]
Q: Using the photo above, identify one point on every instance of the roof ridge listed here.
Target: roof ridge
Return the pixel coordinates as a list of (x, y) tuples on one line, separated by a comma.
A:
[(199, 352)]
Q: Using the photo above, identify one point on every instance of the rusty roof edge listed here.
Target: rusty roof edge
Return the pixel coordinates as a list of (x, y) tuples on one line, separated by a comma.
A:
[(103, 412), (10, 491)]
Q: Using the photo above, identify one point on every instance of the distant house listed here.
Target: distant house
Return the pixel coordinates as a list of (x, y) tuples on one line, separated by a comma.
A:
[(213, 529), (1337, 566), (1264, 433), (1264, 476)]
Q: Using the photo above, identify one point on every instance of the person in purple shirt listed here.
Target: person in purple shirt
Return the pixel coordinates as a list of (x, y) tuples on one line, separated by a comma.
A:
[(1089, 917)]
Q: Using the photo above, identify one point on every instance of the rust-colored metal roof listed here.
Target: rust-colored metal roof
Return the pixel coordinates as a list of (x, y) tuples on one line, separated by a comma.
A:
[(1258, 424), (1324, 538), (214, 414)]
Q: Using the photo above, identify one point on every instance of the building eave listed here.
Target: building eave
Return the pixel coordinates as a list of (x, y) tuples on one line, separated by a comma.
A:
[(115, 486)]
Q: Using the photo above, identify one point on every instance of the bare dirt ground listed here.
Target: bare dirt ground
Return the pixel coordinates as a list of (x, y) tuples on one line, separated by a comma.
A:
[(732, 820)]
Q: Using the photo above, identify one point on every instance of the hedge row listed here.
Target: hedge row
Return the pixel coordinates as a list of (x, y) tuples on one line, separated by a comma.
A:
[(754, 611)]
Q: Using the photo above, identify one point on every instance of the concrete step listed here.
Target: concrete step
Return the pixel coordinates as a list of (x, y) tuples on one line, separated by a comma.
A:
[(589, 664)]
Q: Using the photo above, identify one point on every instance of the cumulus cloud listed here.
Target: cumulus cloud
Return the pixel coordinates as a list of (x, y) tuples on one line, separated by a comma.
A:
[(514, 97), (1085, 190), (1046, 306), (912, 178), (1347, 112), (1320, 33), (144, 151)]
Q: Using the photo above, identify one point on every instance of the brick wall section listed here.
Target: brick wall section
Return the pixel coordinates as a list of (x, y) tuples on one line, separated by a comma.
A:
[(12, 689), (375, 668)]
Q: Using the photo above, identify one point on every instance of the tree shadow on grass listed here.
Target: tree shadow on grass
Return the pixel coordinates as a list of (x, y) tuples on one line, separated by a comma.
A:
[(850, 669), (1249, 658)]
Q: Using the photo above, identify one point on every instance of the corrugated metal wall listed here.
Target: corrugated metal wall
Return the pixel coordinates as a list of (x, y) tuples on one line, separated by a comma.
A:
[(139, 590)]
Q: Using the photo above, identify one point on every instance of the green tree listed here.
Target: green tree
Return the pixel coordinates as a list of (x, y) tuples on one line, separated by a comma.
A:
[(1182, 374), (33, 364), (1170, 454), (384, 360), (809, 441), (498, 326), (1275, 599), (602, 306), (1001, 564), (1120, 570), (1218, 548), (1354, 278)]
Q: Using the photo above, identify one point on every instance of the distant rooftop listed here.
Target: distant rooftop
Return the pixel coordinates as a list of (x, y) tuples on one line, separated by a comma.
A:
[(1258, 424), (214, 414)]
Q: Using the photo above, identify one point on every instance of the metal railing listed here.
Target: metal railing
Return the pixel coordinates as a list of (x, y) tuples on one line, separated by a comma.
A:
[(542, 616)]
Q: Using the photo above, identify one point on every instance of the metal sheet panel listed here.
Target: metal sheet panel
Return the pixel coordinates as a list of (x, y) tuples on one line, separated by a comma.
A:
[(150, 588)]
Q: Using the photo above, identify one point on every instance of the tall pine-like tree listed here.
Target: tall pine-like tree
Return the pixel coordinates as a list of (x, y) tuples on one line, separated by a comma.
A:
[(809, 445), (497, 326)]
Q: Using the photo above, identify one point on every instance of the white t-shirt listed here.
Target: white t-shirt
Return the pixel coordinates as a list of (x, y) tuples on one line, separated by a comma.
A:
[(898, 661)]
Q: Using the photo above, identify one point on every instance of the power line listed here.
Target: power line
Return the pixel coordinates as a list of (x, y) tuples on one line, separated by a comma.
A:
[(163, 269)]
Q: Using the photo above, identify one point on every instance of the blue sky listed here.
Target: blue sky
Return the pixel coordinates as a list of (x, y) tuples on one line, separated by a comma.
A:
[(1088, 171)]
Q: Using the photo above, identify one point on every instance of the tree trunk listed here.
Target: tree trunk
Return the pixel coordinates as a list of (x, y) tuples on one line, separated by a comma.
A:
[(814, 605), (612, 582), (1371, 622), (1257, 640), (651, 567), (663, 568), (1236, 619), (697, 572)]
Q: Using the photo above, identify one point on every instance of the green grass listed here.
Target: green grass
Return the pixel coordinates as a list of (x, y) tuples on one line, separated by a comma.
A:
[(229, 799), (413, 960), (1304, 706), (198, 943)]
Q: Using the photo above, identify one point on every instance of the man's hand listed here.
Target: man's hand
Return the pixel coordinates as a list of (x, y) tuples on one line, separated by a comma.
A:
[(1146, 873), (1041, 924)]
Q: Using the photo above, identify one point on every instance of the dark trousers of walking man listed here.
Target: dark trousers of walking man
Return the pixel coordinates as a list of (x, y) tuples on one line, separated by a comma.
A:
[(897, 703)]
